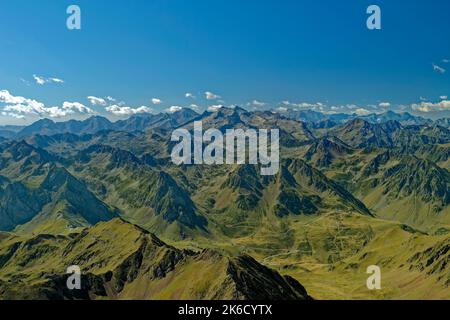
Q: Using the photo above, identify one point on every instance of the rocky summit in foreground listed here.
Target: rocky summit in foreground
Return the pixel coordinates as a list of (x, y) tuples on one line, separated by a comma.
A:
[(121, 261)]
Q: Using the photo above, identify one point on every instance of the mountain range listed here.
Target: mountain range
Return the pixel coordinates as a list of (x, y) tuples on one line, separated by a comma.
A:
[(145, 121), (351, 192)]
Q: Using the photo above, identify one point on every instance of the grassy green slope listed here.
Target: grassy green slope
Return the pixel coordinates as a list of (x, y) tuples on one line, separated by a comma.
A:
[(121, 261)]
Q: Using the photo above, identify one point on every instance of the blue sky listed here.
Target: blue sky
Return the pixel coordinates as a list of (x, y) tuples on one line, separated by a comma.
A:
[(255, 53)]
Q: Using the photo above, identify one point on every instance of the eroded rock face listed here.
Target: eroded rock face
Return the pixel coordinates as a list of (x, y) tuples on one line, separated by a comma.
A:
[(257, 282), (434, 261)]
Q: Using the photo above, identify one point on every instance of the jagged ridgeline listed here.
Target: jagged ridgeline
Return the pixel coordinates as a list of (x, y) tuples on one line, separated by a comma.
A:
[(351, 191)]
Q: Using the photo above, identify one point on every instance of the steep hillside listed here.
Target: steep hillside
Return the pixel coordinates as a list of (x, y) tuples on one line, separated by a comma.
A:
[(18, 204), (38, 194), (362, 134), (300, 178), (71, 205), (240, 201), (408, 189), (146, 195), (434, 261), (121, 261), (330, 254), (324, 152)]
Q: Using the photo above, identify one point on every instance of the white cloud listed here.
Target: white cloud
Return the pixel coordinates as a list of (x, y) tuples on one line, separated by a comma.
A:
[(215, 108), (444, 105), (438, 69), (332, 109), (126, 111), (443, 97), (445, 60), (39, 80), (12, 115), (22, 105), (6, 97), (281, 109), (156, 101), (111, 99), (305, 106), (194, 107), (42, 80), (189, 95), (19, 107), (144, 109), (95, 101), (56, 80), (302, 105), (26, 82), (362, 112), (72, 107), (211, 96), (174, 109), (257, 103)]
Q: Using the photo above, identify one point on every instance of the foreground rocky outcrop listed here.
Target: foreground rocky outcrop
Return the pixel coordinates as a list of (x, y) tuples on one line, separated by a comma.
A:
[(121, 261)]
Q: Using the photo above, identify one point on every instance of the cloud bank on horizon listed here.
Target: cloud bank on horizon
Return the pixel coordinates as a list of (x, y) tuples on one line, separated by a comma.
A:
[(28, 109)]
